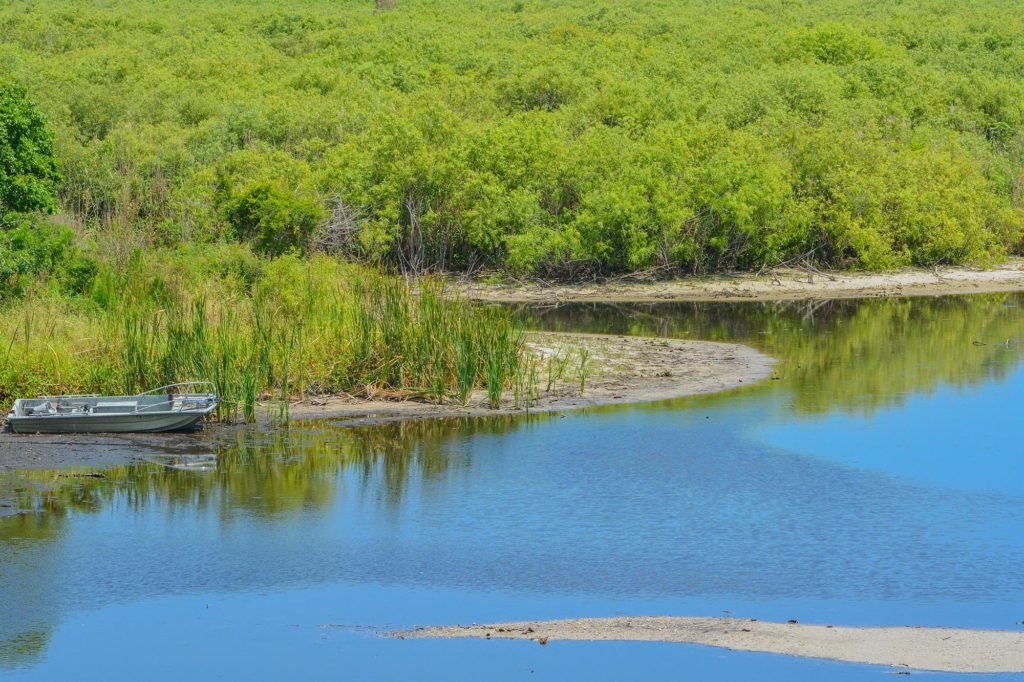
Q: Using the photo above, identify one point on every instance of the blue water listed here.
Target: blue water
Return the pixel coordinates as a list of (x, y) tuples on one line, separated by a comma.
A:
[(878, 480)]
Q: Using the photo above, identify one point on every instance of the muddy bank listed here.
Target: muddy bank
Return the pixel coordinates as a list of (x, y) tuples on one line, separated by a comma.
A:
[(781, 284), (43, 451), (938, 649), (619, 369)]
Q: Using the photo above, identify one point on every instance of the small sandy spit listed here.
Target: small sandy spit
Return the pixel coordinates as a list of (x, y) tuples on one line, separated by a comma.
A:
[(919, 648), (772, 285), (620, 369)]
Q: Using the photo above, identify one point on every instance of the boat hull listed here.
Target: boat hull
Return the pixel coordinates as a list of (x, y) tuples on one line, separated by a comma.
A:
[(107, 423)]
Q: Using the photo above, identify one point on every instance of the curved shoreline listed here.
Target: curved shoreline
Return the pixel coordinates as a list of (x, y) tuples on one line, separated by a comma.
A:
[(624, 370), (627, 369), (918, 648), (775, 285)]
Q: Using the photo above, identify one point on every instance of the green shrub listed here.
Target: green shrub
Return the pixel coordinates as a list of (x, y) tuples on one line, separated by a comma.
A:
[(544, 88), (36, 248), (28, 170), (273, 218)]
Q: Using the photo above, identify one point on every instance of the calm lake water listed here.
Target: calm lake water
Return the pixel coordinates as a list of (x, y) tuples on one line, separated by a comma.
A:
[(877, 479)]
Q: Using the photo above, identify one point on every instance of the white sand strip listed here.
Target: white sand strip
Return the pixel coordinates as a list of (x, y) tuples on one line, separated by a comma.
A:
[(939, 649)]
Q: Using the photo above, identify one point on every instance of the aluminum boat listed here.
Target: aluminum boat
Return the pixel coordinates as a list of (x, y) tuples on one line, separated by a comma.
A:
[(175, 407)]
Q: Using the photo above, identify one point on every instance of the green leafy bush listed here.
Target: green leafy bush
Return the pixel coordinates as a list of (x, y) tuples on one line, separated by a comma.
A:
[(28, 170), (274, 219), (38, 248)]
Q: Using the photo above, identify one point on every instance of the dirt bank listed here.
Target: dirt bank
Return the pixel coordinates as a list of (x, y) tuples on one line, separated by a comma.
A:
[(939, 649), (616, 370), (782, 284)]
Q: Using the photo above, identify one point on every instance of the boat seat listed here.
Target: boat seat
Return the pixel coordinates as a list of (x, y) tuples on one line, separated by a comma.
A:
[(110, 406), (42, 408)]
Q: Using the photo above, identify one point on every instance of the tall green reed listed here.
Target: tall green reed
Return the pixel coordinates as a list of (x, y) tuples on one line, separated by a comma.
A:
[(303, 327)]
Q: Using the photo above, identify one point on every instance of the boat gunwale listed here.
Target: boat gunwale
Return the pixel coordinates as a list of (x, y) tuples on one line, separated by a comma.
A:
[(204, 410)]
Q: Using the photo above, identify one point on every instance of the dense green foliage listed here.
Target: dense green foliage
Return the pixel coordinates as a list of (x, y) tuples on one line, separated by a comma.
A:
[(258, 328), (273, 220), (28, 170), (34, 249), (560, 137)]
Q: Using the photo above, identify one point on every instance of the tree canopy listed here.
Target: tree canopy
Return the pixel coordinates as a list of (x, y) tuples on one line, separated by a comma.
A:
[(28, 169), (557, 137)]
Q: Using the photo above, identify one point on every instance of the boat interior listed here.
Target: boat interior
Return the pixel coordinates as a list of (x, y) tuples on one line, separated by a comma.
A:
[(163, 399)]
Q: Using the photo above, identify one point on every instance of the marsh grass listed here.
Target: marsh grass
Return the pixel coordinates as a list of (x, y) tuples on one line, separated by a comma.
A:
[(303, 327), (557, 365), (583, 367)]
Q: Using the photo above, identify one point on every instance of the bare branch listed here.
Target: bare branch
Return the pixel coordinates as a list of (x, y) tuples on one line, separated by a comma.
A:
[(339, 231)]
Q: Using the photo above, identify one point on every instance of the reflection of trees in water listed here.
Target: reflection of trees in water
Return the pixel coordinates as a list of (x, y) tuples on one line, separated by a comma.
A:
[(268, 475), (29, 544), (856, 355), (26, 580), (399, 454), (257, 473), (23, 647)]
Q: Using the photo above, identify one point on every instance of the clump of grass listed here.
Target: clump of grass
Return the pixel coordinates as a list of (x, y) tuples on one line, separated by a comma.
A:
[(467, 367), (583, 368), (557, 364), (525, 390), (316, 326), (496, 366)]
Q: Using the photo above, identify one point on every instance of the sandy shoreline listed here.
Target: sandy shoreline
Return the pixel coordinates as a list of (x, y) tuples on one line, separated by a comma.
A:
[(622, 369), (919, 648), (780, 284)]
